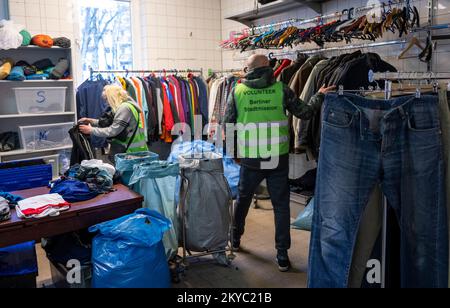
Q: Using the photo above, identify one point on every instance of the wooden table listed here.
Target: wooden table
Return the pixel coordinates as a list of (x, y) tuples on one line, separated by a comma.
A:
[(80, 216)]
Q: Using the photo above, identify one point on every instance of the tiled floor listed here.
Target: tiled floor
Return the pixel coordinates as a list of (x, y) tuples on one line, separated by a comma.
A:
[(254, 266)]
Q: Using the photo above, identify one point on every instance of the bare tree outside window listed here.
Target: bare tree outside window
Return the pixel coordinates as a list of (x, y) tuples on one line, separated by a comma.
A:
[(106, 35)]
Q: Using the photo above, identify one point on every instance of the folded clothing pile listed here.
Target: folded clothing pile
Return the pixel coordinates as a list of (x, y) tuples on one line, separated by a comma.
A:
[(42, 206), (5, 212), (98, 175), (39, 70), (73, 190), (85, 182), (12, 199), (96, 163)]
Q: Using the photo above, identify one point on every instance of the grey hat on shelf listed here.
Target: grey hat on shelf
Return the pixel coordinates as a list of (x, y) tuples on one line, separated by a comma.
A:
[(60, 69)]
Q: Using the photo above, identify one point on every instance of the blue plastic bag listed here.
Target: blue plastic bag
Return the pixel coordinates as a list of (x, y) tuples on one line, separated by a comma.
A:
[(199, 147), (18, 260), (129, 253), (125, 165), (304, 220), (232, 172)]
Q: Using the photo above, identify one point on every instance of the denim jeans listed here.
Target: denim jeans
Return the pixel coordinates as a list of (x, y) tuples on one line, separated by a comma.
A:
[(397, 144), (445, 123), (278, 186)]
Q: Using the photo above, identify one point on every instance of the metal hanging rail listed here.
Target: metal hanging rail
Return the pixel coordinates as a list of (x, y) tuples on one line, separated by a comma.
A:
[(348, 47), (227, 71), (171, 71), (411, 76)]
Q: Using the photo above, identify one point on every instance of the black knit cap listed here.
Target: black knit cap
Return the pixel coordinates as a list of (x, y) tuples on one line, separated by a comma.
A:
[(62, 42)]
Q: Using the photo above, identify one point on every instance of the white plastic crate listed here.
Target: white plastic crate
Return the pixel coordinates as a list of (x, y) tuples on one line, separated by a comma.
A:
[(45, 137), (50, 160), (40, 100)]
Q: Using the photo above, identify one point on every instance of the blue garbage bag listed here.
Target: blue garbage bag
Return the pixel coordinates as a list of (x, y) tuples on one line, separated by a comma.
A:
[(128, 252), (198, 148), (304, 220), (125, 163), (232, 172), (18, 260), (157, 183)]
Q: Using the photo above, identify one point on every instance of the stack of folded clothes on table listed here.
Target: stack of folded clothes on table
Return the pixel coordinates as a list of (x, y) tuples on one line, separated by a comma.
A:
[(42, 206), (7, 201)]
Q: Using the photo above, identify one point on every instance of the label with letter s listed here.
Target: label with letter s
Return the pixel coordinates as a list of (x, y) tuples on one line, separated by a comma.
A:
[(41, 97)]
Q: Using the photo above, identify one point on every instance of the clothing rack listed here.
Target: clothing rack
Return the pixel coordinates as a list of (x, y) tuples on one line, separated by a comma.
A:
[(125, 71)]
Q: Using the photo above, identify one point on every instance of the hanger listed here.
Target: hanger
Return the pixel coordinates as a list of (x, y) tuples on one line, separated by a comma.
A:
[(414, 42)]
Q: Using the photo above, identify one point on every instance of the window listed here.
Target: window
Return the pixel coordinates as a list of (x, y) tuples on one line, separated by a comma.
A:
[(106, 35), (4, 11)]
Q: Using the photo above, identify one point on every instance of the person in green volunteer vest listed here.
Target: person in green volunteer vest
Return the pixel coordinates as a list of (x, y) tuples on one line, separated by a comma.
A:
[(257, 108), (126, 132)]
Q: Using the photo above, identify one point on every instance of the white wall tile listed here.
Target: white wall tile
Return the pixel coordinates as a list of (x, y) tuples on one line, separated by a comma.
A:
[(183, 29)]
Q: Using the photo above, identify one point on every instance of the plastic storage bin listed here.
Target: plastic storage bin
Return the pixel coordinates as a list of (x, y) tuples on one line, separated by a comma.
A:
[(18, 266), (52, 160), (40, 100), (24, 175), (45, 137)]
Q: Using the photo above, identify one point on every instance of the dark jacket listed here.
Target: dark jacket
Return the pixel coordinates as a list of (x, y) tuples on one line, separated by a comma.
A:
[(82, 147), (264, 78)]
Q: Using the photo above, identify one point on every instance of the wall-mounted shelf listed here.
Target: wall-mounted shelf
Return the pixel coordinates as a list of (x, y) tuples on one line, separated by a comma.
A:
[(21, 151), (11, 119), (248, 18), (38, 81), (40, 48), (14, 116)]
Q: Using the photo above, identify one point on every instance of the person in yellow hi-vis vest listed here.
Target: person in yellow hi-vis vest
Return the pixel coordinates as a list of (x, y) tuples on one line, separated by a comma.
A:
[(126, 130), (258, 110)]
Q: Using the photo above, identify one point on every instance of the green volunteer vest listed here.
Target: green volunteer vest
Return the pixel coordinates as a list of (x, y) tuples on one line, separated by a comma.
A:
[(139, 143), (263, 126)]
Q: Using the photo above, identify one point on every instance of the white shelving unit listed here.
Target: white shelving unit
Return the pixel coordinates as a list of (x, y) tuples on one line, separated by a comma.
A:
[(10, 119)]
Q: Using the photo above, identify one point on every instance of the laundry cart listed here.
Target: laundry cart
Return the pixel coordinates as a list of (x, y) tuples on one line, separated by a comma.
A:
[(206, 211)]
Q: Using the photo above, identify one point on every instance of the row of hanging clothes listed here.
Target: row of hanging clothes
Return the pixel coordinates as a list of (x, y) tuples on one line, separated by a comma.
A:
[(305, 75), (399, 18), (166, 100), (220, 85)]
